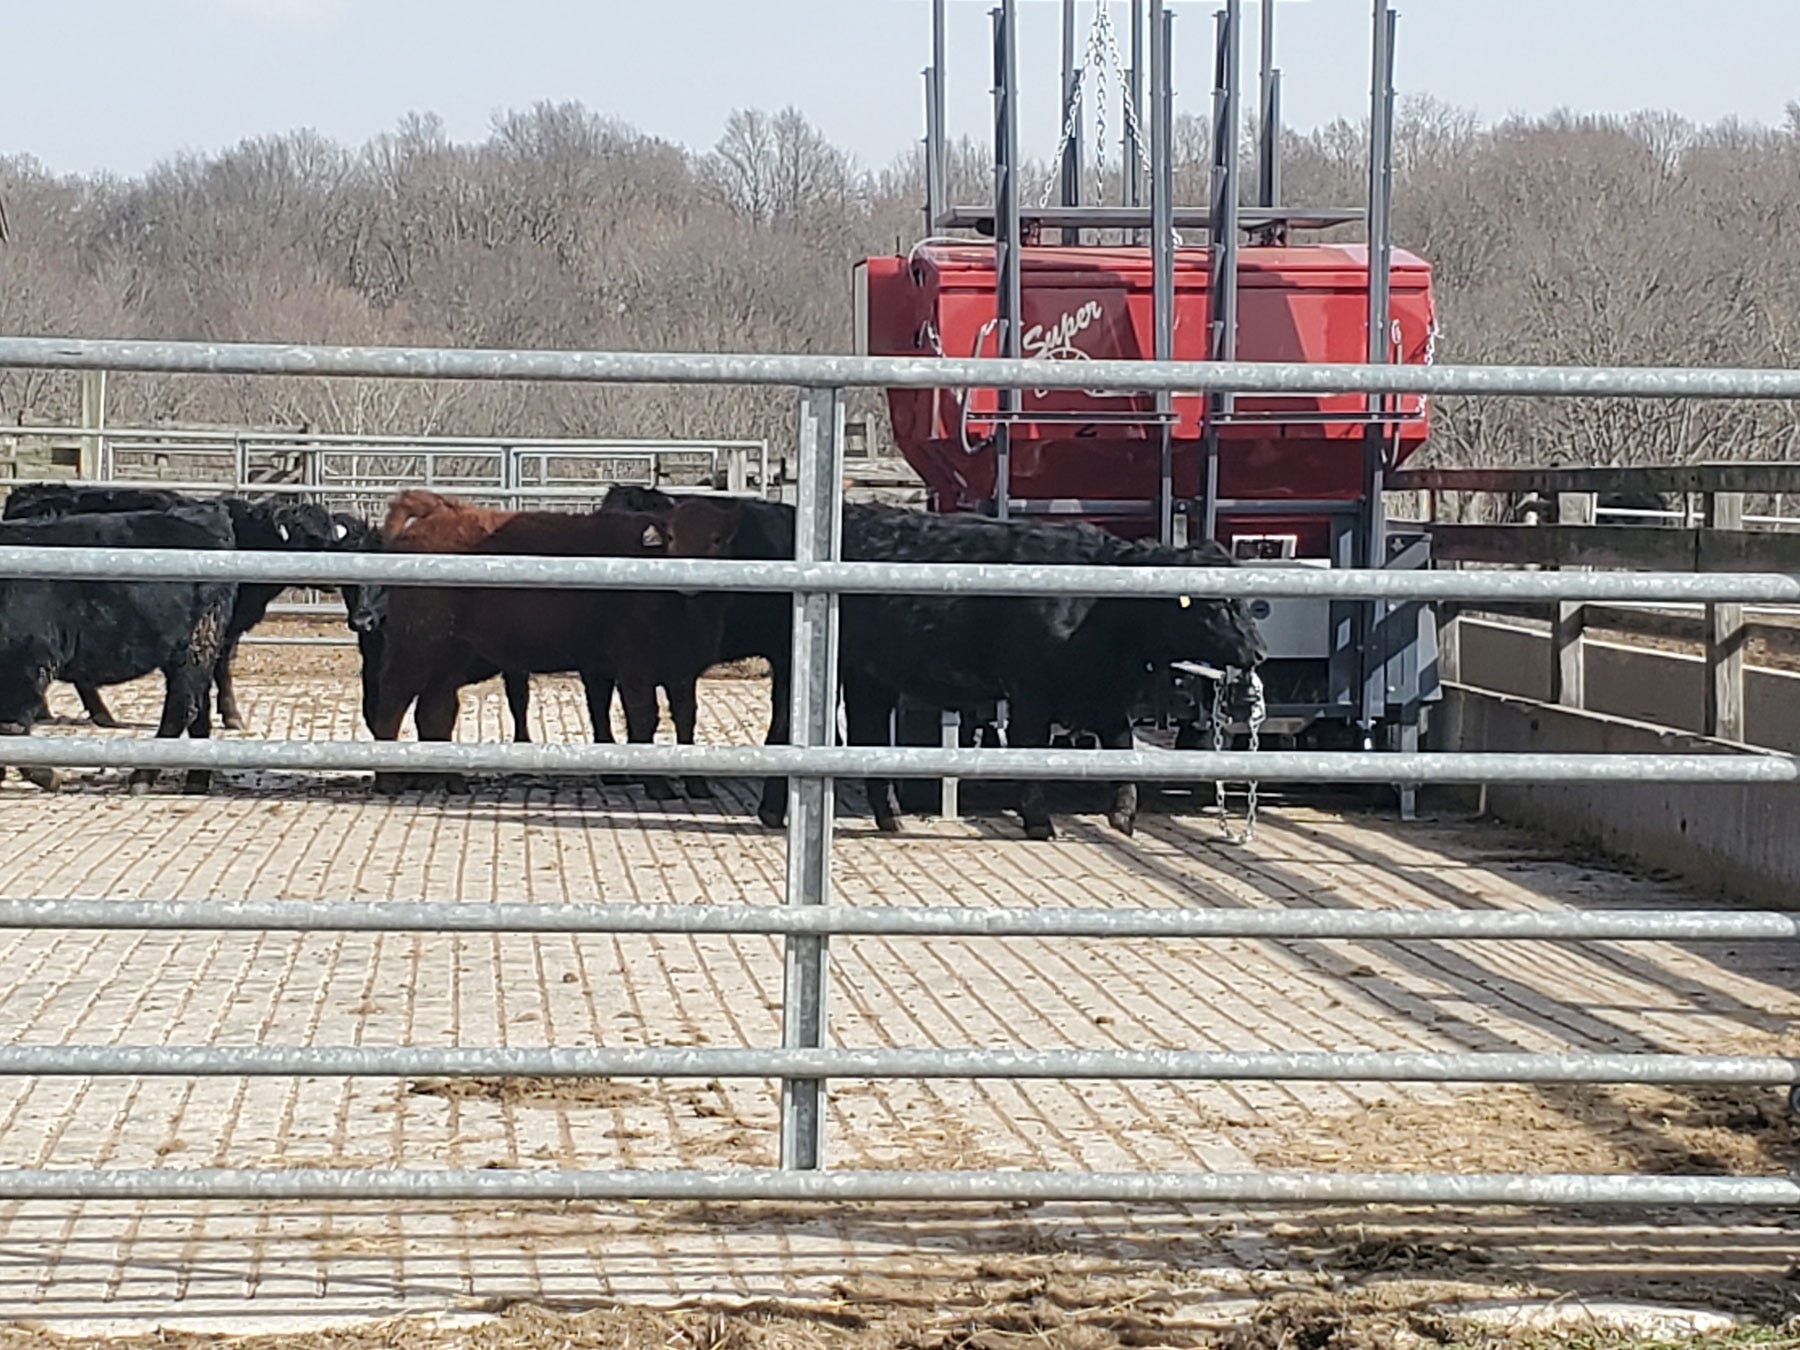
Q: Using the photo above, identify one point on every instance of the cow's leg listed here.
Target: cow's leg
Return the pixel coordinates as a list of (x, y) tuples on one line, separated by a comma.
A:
[(435, 717), (186, 687), (369, 644), (867, 714), (518, 702), (684, 711), (397, 680), (229, 713), (638, 694), (1029, 726), (1117, 736), (597, 687), (772, 810), (98, 713), (50, 780), (199, 781)]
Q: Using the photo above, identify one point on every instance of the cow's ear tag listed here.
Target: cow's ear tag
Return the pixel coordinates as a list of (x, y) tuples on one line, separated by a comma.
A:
[(653, 537), (1186, 601), (282, 530)]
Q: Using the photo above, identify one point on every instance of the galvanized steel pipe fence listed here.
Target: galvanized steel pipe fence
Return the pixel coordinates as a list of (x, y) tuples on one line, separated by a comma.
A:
[(804, 1062)]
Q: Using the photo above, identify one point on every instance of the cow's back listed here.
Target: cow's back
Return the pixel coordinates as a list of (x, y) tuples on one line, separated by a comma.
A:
[(109, 631), (961, 646)]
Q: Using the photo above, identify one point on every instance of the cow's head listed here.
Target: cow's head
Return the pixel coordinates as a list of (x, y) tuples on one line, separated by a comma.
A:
[(1197, 626), (24, 676), (303, 527), (699, 528), (365, 603), (271, 525)]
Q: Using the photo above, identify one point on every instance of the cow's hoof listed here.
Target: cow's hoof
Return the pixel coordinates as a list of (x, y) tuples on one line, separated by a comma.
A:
[(1123, 823), (105, 721), (389, 784), (454, 783), (773, 819), (888, 824), (1039, 829), (141, 781), (233, 721), (698, 788), (660, 789), (197, 783), (50, 780)]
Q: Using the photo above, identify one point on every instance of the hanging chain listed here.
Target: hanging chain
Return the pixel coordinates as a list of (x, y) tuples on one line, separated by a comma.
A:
[(1102, 54), (1131, 118), (1256, 712)]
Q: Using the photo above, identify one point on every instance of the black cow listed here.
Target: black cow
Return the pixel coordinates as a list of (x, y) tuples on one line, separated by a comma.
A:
[(107, 632), (1081, 662), (1077, 661), (261, 526), (757, 623)]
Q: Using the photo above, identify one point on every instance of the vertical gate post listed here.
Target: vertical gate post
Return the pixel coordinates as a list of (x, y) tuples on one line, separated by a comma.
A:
[(1725, 636), (1568, 661), (92, 463), (812, 800)]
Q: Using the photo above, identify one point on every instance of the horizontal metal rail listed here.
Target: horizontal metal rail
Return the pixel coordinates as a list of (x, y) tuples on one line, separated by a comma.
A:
[(1268, 766), (495, 1184), (881, 578), (353, 916), (334, 487), (670, 1061), (871, 372), (388, 444)]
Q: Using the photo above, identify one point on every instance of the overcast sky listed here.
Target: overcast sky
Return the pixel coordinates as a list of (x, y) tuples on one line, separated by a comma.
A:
[(119, 84)]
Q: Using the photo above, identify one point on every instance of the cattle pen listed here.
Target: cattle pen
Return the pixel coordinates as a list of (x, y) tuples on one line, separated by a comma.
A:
[(290, 1053)]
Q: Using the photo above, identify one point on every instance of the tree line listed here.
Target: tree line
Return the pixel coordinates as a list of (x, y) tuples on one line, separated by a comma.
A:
[(1559, 239)]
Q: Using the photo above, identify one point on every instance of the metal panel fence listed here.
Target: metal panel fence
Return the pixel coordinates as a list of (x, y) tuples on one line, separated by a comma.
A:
[(804, 1063)]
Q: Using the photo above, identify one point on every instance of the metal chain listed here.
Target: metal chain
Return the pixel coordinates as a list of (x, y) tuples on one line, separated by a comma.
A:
[(1256, 712), (1131, 118), (1068, 134), (1102, 55)]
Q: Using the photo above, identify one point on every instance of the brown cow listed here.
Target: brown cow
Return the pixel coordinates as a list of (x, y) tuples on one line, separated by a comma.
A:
[(438, 639)]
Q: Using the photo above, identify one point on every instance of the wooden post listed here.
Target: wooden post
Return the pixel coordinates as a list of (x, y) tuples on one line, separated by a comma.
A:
[(1725, 636), (1568, 667), (93, 420)]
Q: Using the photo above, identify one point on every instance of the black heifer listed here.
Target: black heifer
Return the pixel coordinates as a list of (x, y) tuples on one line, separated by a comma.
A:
[(1077, 661), (107, 632), (757, 623), (261, 526)]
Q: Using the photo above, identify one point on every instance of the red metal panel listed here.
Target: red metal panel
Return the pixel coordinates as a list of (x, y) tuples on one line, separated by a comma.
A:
[(1295, 304)]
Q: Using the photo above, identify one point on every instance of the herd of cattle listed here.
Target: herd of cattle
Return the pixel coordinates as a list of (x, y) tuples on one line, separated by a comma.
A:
[(1081, 663)]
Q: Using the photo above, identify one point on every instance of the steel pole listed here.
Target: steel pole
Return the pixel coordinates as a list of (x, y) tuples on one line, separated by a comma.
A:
[(1071, 154), (1373, 543), (1134, 183), (1162, 251), (1268, 162), (1007, 297), (812, 801)]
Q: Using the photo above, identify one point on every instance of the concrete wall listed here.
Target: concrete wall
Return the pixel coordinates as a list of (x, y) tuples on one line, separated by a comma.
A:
[(1667, 689), (1739, 841)]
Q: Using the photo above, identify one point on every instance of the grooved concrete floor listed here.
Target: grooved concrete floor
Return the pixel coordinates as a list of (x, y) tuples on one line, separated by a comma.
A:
[(274, 837)]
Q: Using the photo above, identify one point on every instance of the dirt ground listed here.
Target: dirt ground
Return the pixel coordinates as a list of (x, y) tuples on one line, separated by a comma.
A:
[(1004, 1306), (865, 1277)]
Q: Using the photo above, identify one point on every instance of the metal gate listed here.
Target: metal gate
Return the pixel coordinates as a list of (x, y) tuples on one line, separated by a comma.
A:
[(804, 1062)]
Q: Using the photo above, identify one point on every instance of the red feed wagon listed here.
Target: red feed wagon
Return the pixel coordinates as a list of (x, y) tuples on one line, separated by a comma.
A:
[(1099, 456)]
